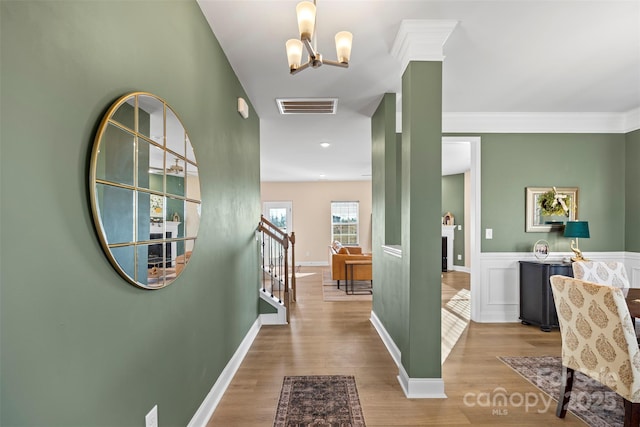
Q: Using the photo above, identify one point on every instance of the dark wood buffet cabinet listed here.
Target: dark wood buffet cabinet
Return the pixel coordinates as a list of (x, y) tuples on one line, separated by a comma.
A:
[(536, 299)]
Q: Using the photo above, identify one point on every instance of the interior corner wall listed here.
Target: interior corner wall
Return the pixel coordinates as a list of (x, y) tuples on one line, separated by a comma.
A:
[(391, 298), (453, 200), (311, 206), (79, 345), (632, 195)]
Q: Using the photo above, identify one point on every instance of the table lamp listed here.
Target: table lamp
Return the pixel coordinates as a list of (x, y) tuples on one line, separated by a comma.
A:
[(576, 229)]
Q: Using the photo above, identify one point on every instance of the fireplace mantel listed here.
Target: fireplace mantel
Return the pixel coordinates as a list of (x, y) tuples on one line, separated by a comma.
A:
[(448, 232), (171, 227)]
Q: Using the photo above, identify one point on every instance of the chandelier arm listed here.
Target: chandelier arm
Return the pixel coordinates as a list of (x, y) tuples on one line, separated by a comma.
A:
[(300, 68), (336, 63), (307, 44)]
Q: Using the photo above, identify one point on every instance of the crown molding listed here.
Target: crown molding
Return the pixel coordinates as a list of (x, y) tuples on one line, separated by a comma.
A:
[(537, 122), (523, 122), (421, 40), (632, 120), (541, 122)]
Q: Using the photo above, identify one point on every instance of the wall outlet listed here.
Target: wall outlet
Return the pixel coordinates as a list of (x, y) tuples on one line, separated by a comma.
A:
[(459, 257), (488, 233), (151, 419)]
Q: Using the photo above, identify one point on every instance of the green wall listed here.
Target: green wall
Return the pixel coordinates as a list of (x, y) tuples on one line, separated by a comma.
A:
[(592, 162), (391, 299), (80, 346), (453, 201), (408, 296), (421, 206), (632, 206)]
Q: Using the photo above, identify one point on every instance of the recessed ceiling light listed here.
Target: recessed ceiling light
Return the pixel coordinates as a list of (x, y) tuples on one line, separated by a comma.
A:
[(324, 144), (322, 176)]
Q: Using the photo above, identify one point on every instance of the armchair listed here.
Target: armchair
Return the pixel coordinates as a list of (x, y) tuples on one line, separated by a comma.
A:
[(598, 340)]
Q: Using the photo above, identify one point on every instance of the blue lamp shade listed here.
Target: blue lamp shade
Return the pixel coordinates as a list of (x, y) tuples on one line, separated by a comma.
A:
[(576, 229)]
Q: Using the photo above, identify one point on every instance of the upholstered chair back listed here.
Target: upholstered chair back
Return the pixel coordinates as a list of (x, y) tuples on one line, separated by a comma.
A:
[(610, 273), (597, 335)]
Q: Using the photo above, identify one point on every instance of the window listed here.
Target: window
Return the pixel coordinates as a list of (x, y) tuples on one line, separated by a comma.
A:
[(344, 222), (278, 217)]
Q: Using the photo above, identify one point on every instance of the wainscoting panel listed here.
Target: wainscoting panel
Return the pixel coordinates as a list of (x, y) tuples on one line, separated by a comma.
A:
[(499, 293), (502, 287), (499, 285), (632, 262)]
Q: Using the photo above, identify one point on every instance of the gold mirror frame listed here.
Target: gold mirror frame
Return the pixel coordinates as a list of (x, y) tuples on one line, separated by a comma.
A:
[(145, 190), (536, 221)]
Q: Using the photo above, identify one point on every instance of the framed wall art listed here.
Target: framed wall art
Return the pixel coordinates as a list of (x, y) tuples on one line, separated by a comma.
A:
[(548, 208)]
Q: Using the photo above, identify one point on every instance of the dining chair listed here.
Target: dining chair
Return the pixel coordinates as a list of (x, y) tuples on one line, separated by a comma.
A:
[(612, 273), (598, 340)]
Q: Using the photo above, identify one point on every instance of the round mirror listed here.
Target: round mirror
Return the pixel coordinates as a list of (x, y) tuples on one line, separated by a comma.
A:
[(145, 191)]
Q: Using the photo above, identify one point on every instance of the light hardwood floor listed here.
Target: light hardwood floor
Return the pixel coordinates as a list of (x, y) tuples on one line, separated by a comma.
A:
[(331, 338)]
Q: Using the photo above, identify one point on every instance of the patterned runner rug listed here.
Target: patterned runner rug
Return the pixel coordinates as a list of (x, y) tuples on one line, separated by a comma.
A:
[(592, 402), (319, 400)]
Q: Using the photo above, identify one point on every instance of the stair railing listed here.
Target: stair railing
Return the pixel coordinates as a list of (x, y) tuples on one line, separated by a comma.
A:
[(275, 247)]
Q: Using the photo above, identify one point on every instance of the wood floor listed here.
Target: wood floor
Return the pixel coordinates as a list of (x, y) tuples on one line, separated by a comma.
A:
[(327, 338)]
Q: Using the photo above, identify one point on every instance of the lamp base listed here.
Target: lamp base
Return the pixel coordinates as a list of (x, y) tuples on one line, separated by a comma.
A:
[(578, 258), (577, 253)]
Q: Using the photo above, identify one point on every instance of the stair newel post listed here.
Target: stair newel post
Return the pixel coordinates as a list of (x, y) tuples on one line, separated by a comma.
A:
[(282, 279), (285, 246), (261, 248), (292, 239)]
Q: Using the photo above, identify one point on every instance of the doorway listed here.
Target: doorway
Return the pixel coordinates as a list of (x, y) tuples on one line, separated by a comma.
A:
[(472, 223), (280, 214)]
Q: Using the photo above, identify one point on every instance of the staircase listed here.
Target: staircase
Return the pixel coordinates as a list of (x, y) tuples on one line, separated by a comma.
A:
[(277, 256)]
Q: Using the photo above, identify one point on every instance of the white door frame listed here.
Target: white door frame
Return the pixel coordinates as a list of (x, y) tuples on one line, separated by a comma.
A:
[(474, 228)]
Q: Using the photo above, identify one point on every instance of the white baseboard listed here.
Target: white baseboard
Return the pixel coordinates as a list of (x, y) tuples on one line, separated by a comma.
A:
[(414, 388), (204, 412), (313, 263), (392, 348), (462, 269), (421, 388)]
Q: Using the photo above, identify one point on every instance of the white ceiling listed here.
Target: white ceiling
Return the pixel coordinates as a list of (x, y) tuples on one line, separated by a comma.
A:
[(504, 56)]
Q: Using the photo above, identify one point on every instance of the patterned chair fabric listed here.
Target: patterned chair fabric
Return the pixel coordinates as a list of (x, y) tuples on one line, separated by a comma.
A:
[(607, 273), (597, 334)]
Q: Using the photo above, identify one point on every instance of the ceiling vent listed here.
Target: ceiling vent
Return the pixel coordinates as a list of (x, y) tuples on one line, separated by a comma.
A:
[(307, 105)]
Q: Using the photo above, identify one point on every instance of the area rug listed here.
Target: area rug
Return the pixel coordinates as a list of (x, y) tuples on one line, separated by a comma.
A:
[(592, 402), (319, 400), (330, 291)]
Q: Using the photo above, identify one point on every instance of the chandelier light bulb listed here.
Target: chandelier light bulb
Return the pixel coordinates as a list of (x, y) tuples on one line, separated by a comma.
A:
[(294, 53), (306, 12), (343, 46)]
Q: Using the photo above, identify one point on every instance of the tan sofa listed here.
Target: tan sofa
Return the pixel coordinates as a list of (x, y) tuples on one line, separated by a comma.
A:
[(339, 254)]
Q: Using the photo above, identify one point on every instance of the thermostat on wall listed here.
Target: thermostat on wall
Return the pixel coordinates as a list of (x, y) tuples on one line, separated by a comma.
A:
[(243, 108)]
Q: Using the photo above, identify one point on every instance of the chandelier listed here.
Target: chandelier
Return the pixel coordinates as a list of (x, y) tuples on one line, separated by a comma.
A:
[(306, 12)]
